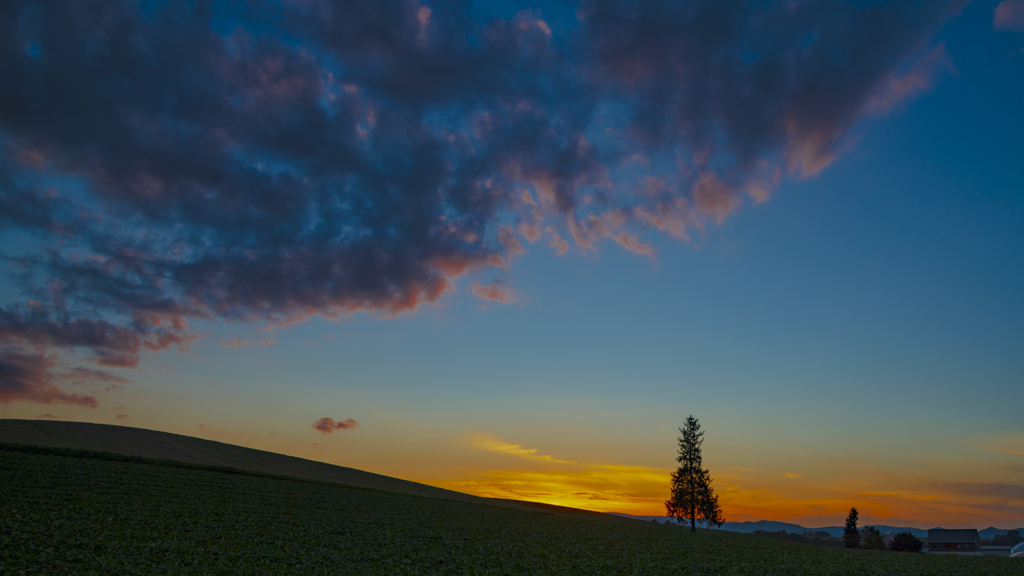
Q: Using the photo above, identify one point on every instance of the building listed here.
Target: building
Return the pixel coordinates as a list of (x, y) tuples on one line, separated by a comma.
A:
[(954, 542), (1018, 551)]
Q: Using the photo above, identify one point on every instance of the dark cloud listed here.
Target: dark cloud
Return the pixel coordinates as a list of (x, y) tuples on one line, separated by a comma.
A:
[(111, 344), (742, 82), (25, 376), (274, 161), (328, 425)]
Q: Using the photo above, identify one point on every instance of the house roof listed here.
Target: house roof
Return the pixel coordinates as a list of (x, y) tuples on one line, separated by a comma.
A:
[(938, 536)]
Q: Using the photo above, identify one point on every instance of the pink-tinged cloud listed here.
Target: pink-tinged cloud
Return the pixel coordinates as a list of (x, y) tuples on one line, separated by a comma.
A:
[(510, 242), (327, 425), (237, 343), (26, 376), (918, 80), (557, 242), (1009, 15), (121, 416), (336, 227), (532, 233), (713, 197), (612, 225), (46, 416), (670, 218), (496, 292), (79, 376), (111, 344), (632, 243)]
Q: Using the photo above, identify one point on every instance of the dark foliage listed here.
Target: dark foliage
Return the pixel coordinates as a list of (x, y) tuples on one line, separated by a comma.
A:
[(1011, 538), (906, 542), (820, 537), (871, 539)]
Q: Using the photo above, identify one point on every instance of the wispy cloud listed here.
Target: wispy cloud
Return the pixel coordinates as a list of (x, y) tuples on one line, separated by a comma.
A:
[(237, 343), (561, 482), (920, 78), (1012, 444), (493, 443), (1009, 15), (497, 291)]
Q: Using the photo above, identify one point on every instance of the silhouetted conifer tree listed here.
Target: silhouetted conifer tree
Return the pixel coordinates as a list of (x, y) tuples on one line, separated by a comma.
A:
[(692, 496), (851, 536)]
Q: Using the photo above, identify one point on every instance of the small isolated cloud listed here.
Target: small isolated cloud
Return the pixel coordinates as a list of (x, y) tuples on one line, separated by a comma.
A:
[(237, 343), (122, 416), (46, 416), (328, 425), (1009, 15), (497, 291)]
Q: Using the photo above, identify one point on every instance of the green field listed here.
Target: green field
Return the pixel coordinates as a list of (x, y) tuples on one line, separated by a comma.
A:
[(80, 514), (153, 444)]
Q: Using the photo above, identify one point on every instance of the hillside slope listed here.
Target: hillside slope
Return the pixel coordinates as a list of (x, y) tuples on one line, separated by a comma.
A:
[(166, 446), (88, 515)]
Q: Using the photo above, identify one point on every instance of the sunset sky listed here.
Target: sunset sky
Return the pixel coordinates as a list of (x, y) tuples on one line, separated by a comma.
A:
[(507, 251)]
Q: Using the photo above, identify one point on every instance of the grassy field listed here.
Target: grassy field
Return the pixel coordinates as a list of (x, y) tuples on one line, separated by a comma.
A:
[(84, 515), (157, 445), (165, 446)]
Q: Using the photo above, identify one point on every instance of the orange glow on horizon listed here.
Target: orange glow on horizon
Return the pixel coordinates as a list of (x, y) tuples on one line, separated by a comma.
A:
[(745, 494)]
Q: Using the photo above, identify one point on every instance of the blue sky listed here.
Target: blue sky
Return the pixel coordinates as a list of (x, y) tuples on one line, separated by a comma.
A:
[(854, 338)]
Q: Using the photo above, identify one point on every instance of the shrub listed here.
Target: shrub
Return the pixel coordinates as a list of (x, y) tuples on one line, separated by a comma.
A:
[(905, 542)]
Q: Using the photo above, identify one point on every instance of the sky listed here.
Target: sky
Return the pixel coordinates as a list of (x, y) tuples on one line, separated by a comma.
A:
[(507, 250)]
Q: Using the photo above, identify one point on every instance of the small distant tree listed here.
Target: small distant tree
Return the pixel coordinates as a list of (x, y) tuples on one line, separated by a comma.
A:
[(906, 542), (871, 538), (1011, 538), (851, 537), (692, 497)]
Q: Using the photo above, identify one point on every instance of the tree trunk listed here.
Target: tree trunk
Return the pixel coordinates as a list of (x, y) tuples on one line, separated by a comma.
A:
[(693, 522)]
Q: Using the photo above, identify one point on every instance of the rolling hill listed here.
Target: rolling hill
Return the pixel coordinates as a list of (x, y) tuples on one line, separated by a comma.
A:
[(165, 446), (72, 511)]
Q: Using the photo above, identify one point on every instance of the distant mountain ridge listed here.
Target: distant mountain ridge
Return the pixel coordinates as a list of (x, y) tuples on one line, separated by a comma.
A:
[(837, 531)]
